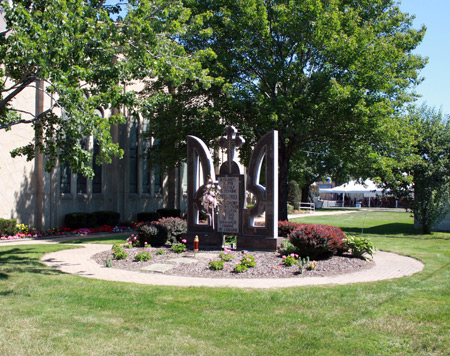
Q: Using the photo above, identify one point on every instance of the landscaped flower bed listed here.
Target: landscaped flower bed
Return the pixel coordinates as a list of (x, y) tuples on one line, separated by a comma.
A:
[(267, 264)]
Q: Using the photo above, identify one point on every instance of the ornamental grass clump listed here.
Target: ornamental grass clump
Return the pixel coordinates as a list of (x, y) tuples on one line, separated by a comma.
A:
[(317, 241)]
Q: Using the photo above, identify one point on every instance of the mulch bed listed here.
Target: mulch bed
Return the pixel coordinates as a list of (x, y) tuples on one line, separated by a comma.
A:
[(268, 264)]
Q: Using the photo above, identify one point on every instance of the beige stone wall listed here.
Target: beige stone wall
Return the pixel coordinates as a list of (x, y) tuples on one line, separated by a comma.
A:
[(17, 192)]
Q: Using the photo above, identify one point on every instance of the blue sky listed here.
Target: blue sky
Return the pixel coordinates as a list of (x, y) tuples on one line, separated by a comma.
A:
[(434, 14)]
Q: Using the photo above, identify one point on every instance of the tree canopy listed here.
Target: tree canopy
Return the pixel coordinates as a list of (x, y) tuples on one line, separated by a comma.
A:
[(332, 76), (75, 53)]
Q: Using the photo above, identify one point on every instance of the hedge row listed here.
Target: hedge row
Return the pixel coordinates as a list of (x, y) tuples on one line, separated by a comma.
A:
[(98, 218), (149, 216)]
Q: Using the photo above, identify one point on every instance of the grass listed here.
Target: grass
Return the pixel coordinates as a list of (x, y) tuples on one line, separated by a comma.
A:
[(45, 312)]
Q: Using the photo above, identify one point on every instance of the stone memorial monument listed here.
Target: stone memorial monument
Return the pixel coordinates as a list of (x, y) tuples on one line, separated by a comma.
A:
[(256, 227)]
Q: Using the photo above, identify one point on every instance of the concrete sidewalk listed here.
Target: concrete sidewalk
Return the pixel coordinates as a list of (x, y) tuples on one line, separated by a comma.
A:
[(78, 261)]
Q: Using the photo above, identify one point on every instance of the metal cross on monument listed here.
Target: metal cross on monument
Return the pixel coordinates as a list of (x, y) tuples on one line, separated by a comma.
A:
[(230, 143)]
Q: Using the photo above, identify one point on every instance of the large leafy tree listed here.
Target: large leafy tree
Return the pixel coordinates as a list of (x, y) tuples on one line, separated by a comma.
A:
[(329, 75), (431, 172), (77, 53)]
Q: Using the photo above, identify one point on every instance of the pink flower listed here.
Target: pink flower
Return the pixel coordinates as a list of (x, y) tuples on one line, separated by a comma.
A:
[(184, 241), (292, 255), (249, 260), (283, 257), (244, 252), (145, 243), (281, 249), (257, 256), (296, 256)]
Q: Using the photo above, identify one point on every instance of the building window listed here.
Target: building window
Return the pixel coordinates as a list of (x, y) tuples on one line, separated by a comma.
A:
[(133, 154), (65, 178)]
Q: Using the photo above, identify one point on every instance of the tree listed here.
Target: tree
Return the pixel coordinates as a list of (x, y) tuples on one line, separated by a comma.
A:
[(75, 53), (295, 194), (431, 173), (329, 75)]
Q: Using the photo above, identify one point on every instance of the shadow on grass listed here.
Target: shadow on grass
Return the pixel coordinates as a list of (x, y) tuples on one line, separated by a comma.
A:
[(111, 238), (22, 260), (393, 230)]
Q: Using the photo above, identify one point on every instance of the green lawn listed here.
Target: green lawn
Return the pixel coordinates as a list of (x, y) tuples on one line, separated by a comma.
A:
[(45, 312)]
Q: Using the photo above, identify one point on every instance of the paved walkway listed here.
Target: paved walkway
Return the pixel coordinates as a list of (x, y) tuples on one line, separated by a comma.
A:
[(78, 261)]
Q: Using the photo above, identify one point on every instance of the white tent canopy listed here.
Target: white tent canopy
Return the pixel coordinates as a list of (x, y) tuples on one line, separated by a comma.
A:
[(368, 189)]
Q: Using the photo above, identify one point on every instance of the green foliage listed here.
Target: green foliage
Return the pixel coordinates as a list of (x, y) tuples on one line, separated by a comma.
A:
[(8, 227), (108, 262), (142, 257), (290, 260), (225, 257), (160, 252), (295, 195), (329, 76), (431, 174), (216, 265), (82, 58), (118, 252), (179, 248), (248, 260), (359, 246), (240, 268)]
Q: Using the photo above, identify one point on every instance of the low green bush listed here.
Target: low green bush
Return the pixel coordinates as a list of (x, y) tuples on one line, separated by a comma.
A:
[(118, 252), (216, 265), (358, 246), (8, 227), (142, 257)]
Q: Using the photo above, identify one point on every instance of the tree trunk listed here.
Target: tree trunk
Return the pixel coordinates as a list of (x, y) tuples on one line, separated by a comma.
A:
[(305, 193)]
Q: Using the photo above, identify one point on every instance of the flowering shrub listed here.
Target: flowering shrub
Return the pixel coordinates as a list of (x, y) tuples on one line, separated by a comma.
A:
[(290, 260), (317, 240), (248, 260), (225, 256), (178, 248)]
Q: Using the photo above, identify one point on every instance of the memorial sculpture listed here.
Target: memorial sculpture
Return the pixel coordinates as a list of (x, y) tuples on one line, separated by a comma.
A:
[(256, 227)]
